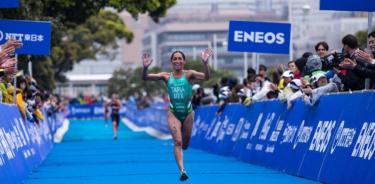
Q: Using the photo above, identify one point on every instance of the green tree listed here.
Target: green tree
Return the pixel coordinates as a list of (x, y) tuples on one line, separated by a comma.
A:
[(128, 82), (81, 30), (362, 38)]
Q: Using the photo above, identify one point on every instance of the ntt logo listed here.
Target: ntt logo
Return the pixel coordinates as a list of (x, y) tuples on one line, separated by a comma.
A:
[(259, 37)]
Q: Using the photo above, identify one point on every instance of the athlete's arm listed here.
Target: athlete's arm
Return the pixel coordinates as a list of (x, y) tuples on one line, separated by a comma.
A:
[(147, 60), (119, 103), (206, 54)]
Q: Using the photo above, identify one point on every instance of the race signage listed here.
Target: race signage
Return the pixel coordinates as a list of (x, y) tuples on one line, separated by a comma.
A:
[(260, 37), (35, 35)]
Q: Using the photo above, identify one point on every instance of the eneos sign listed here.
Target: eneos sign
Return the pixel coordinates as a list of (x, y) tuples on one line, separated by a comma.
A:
[(262, 37)]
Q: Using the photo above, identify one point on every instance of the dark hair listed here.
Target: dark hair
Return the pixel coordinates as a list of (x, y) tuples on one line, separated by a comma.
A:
[(177, 51), (251, 70), (275, 77), (307, 54), (372, 34), (244, 82), (262, 67), (251, 78), (323, 43), (351, 41), (300, 64), (21, 80)]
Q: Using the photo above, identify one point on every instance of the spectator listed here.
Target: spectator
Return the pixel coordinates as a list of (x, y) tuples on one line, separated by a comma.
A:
[(349, 78), (198, 94), (292, 67), (321, 49), (321, 87), (263, 72), (276, 76), (292, 87)]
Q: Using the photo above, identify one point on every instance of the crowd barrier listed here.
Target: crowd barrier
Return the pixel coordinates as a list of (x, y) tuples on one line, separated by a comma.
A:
[(23, 145), (331, 142), (154, 117)]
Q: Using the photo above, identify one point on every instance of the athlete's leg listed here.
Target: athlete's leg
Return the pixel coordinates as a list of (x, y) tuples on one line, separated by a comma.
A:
[(114, 126), (187, 127), (175, 129)]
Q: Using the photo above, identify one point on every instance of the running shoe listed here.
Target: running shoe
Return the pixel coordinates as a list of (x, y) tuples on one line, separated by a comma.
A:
[(184, 176)]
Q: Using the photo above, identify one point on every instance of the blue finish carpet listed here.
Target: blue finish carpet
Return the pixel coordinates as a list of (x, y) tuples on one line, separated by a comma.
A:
[(88, 154)]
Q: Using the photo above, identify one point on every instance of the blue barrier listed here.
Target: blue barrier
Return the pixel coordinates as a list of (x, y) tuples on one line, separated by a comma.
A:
[(154, 116), (331, 142), (23, 145)]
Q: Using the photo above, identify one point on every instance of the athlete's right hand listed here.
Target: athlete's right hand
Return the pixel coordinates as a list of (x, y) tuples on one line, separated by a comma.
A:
[(147, 60)]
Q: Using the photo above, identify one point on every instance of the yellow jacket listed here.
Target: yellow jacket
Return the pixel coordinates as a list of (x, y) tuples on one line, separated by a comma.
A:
[(7, 97)]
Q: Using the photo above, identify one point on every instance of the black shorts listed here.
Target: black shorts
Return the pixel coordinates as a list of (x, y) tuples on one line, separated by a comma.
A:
[(115, 117)]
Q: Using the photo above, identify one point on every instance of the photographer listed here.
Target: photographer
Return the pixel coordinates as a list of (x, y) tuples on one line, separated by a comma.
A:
[(366, 65), (349, 78)]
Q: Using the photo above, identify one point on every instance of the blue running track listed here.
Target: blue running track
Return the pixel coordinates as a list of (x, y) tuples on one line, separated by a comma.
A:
[(88, 154)]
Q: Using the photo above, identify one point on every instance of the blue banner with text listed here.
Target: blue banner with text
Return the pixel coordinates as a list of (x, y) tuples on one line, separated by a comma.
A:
[(36, 39), (331, 142), (9, 3), (348, 5), (23, 145), (155, 116), (261, 37)]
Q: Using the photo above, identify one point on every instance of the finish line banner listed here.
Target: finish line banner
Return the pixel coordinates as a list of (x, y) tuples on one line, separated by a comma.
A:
[(331, 142), (260, 37), (35, 35), (348, 5)]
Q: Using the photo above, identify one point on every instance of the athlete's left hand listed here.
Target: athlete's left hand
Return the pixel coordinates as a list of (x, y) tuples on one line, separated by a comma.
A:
[(206, 54)]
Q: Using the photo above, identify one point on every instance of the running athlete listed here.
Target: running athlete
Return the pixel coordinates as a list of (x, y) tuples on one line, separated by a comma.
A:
[(115, 105), (180, 114)]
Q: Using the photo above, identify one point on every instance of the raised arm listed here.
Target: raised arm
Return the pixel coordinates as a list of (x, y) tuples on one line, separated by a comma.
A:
[(205, 55), (147, 60)]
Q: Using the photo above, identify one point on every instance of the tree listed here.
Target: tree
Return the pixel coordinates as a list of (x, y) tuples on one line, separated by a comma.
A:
[(128, 82), (362, 38), (81, 30)]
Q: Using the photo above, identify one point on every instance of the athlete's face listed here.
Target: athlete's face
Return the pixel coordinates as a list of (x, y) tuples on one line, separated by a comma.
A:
[(178, 61), (114, 96)]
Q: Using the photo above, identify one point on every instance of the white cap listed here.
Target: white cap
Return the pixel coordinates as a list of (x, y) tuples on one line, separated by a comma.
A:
[(288, 73), (196, 87), (224, 92), (295, 84)]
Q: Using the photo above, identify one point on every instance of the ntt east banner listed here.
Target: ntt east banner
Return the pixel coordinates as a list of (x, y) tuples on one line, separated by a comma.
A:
[(9, 3), (260, 37), (348, 5), (35, 35)]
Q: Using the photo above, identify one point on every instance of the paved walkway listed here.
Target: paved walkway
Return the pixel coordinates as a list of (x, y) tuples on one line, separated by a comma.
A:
[(89, 155)]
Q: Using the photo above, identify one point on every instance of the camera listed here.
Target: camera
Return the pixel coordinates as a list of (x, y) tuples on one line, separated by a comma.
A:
[(332, 60)]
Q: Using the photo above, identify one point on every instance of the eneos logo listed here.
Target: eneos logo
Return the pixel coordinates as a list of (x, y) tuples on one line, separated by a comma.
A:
[(259, 37)]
